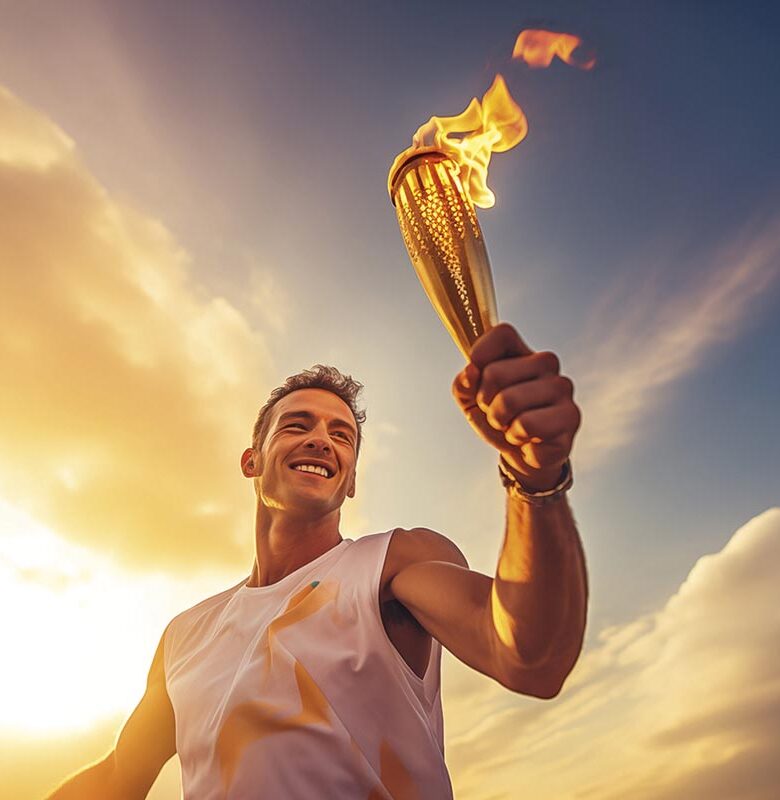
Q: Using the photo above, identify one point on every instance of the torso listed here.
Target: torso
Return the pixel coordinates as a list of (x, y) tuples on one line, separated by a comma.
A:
[(409, 638)]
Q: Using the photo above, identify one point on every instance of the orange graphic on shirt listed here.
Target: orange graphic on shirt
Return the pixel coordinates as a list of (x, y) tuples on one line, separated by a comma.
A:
[(396, 779), (251, 721)]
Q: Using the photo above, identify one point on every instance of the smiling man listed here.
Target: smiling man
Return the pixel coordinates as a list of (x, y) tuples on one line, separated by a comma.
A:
[(319, 674)]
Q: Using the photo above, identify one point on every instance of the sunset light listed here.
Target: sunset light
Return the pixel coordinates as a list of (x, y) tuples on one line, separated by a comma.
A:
[(195, 206), (70, 674)]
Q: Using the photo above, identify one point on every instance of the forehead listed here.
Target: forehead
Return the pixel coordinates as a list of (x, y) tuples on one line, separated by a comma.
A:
[(315, 401)]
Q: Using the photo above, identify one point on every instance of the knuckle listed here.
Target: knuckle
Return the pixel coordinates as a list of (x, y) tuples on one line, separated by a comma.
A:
[(505, 327), (525, 422), (546, 361), (489, 373), (489, 383), (577, 416), (566, 385), (491, 377), (549, 361), (502, 408)]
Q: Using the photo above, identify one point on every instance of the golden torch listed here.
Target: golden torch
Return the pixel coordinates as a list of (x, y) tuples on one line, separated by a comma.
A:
[(435, 184), (445, 243)]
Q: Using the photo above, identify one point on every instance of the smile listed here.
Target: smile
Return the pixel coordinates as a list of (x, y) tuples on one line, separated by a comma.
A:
[(313, 470)]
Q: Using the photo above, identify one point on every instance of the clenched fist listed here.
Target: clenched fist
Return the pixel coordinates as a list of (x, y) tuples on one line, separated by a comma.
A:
[(517, 401)]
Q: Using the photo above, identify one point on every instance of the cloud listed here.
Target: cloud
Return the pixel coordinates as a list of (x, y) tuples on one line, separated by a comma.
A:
[(644, 338), (130, 389), (682, 702)]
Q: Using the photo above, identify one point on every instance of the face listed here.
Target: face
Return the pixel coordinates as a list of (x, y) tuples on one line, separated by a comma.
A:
[(308, 426)]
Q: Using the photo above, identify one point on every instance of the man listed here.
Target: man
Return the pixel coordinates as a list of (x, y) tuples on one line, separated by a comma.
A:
[(319, 674)]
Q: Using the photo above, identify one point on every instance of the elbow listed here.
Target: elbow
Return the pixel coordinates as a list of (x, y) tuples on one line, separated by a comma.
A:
[(544, 680), (549, 691), (540, 687), (542, 672)]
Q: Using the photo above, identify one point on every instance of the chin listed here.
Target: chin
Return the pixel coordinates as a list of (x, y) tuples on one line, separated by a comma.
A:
[(320, 505)]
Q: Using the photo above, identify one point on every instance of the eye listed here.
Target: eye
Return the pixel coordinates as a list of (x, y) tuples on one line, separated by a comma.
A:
[(341, 433), (295, 425)]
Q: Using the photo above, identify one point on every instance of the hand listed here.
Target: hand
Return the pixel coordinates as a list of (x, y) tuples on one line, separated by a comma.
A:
[(517, 401)]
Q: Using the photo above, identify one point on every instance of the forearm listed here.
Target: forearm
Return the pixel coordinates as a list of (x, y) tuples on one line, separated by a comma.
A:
[(95, 782), (540, 592)]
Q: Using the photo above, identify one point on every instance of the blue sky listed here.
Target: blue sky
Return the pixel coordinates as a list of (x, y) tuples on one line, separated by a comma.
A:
[(636, 233)]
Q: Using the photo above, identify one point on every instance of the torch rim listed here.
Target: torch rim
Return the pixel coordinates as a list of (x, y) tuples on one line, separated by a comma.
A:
[(405, 159)]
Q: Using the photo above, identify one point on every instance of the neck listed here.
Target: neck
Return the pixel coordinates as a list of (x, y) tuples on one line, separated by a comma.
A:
[(285, 542)]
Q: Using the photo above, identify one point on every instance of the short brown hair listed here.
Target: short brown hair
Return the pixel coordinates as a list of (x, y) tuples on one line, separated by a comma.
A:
[(318, 377)]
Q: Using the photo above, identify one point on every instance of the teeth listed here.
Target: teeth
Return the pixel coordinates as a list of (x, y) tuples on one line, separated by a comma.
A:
[(312, 468)]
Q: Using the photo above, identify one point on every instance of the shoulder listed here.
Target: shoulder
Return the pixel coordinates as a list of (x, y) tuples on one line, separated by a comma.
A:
[(416, 545)]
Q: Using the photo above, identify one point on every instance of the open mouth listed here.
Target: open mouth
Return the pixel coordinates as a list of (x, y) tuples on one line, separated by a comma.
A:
[(315, 470)]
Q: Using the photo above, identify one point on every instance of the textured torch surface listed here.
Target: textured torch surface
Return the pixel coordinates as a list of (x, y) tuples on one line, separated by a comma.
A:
[(446, 246)]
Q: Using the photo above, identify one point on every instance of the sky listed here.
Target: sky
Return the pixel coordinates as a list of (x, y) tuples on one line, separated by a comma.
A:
[(193, 206)]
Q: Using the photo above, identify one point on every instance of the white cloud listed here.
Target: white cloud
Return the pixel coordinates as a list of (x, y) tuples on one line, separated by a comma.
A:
[(131, 388), (28, 139), (683, 702)]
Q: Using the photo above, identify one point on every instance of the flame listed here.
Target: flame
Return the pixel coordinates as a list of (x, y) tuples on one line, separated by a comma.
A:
[(538, 48), (495, 125)]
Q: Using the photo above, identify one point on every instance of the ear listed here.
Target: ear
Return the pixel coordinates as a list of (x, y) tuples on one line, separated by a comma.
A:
[(250, 463), (351, 490)]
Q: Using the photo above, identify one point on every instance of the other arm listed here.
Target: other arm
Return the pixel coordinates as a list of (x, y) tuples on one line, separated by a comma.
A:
[(146, 742)]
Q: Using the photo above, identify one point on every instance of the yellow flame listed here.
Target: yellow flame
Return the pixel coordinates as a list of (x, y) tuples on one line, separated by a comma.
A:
[(538, 48), (495, 125)]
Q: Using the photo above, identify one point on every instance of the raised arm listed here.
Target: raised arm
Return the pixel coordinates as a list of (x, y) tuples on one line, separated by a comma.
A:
[(146, 742), (525, 627), (456, 606)]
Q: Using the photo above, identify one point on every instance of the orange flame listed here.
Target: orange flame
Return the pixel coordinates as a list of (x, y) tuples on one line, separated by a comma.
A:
[(538, 48), (495, 125)]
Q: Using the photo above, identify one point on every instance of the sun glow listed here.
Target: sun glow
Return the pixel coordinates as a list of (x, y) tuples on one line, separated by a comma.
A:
[(79, 633)]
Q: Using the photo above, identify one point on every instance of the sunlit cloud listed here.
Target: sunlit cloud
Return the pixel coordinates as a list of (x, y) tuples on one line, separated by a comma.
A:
[(643, 340), (682, 702), (130, 388)]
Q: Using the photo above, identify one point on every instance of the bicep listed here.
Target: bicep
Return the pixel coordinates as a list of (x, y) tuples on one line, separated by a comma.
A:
[(449, 601), (148, 739), (447, 598), (453, 604)]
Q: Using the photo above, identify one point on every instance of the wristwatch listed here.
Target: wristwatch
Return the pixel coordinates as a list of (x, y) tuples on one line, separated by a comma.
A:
[(515, 489)]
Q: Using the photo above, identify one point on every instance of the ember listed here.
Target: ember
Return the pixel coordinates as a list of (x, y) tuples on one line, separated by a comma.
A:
[(538, 48)]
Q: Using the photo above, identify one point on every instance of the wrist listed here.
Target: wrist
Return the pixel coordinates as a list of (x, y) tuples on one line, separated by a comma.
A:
[(540, 480), (535, 492)]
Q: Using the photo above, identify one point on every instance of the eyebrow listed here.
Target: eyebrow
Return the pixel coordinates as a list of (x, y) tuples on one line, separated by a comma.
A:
[(309, 416)]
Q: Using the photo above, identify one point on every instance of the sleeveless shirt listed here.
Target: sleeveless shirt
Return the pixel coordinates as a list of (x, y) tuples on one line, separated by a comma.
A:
[(294, 690)]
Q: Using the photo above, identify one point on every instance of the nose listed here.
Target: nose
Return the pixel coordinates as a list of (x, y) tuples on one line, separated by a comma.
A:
[(317, 442)]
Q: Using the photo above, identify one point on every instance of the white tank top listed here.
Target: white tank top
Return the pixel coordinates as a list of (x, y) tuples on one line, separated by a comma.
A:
[(294, 690)]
